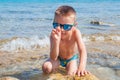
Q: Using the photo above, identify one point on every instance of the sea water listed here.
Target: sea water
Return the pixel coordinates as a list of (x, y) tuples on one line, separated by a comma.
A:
[(27, 26), (27, 20)]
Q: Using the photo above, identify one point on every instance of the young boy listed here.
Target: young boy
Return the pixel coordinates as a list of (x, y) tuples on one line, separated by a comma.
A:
[(64, 39)]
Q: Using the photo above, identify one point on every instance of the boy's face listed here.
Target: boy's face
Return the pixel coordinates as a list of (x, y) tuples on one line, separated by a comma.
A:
[(65, 20)]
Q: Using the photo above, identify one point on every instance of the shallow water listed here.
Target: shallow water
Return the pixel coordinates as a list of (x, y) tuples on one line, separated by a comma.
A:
[(103, 61)]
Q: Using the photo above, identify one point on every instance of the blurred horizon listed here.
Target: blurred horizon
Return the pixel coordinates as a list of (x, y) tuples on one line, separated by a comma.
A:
[(55, 1)]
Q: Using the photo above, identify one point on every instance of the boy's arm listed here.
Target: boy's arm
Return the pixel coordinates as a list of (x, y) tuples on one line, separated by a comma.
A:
[(82, 52), (54, 50), (54, 43)]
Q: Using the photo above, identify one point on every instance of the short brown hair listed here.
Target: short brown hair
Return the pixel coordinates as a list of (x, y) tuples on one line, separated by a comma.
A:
[(65, 11)]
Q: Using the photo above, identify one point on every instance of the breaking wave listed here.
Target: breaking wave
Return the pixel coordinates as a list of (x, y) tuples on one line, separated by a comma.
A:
[(34, 42), (19, 44)]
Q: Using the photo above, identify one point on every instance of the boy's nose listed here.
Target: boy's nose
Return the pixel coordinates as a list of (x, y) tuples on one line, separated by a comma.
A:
[(62, 29)]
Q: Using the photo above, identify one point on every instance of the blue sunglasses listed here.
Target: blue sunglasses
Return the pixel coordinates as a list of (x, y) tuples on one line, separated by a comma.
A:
[(66, 27)]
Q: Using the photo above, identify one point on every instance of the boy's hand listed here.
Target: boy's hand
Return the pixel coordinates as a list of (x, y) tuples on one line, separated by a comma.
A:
[(56, 34), (81, 71)]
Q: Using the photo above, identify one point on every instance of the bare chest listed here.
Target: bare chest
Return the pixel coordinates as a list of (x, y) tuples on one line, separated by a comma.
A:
[(67, 49)]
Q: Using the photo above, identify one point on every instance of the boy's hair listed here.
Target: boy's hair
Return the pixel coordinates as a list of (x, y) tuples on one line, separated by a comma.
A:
[(65, 11)]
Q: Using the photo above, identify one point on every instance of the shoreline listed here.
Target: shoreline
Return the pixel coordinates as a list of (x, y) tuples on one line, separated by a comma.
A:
[(21, 64)]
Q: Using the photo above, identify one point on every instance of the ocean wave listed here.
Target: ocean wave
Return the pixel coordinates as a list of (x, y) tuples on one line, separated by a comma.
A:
[(34, 42), (19, 44)]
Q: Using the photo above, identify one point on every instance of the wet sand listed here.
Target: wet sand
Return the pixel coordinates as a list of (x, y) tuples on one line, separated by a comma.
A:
[(17, 62), (103, 61)]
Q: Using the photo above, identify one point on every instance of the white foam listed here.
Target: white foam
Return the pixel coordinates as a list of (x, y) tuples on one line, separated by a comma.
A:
[(100, 38), (31, 43), (115, 38), (86, 39)]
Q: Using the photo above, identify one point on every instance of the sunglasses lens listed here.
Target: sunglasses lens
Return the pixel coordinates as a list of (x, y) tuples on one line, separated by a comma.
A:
[(55, 25), (67, 27)]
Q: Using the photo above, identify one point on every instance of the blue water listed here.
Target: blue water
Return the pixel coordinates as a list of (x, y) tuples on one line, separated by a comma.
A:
[(58, 1), (35, 19)]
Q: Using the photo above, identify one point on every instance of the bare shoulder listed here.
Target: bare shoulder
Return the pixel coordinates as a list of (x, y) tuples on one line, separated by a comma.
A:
[(77, 32)]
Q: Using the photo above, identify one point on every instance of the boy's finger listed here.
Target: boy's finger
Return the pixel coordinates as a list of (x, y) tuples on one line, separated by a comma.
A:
[(78, 73), (88, 72), (85, 72), (54, 30), (74, 73), (58, 32), (58, 29), (82, 73)]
